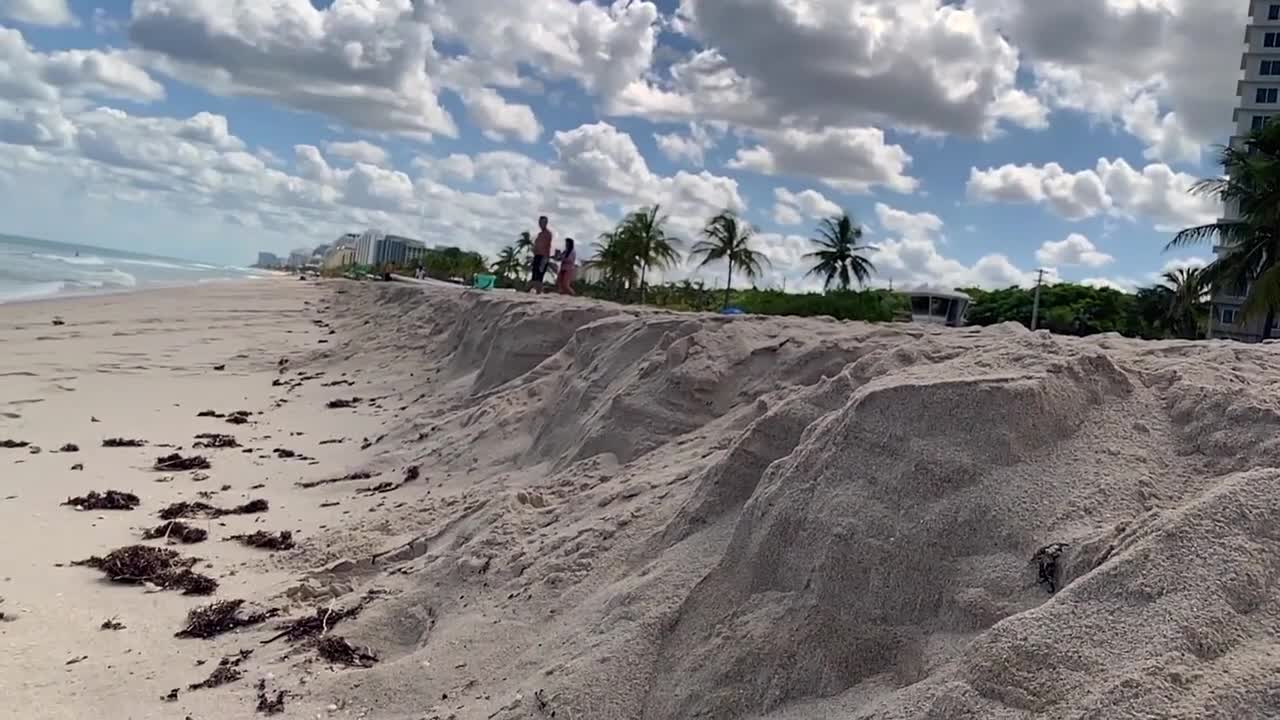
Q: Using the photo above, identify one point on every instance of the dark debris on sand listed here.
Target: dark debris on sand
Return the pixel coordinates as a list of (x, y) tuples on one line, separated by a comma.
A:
[(111, 624), (210, 413), (109, 500), (228, 671), (1046, 559), (137, 564), (215, 440), (221, 617), (385, 486), (69, 448), (200, 509), (78, 466), (411, 473), (269, 704), (337, 649), (315, 624), (176, 531), (123, 442), (282, 540), (178, 462), (13, 444), (340, 403), (359, 475)]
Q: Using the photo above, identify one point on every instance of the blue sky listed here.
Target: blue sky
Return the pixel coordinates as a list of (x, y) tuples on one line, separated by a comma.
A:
[(975, 141)]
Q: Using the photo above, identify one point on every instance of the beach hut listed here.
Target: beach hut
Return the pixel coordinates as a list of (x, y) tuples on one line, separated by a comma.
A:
[(937, 306)]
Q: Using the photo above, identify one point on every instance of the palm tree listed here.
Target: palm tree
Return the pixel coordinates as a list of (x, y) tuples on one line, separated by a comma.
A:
[(727, 239), (645, 237), (614, 261), (509, 263), (839, 253), (1250, 259), (524, 244), (1187, 295)]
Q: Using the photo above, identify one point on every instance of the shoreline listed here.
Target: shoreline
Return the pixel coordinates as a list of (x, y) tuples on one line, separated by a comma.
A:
[(75, 297)]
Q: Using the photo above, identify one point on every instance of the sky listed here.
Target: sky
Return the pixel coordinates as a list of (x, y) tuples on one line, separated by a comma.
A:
[(975, 141)]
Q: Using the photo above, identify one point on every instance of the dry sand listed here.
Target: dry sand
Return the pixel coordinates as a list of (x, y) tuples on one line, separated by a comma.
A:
[(640, 515)]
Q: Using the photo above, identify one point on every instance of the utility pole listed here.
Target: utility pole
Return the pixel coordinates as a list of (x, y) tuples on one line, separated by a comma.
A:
[(1035, 305)]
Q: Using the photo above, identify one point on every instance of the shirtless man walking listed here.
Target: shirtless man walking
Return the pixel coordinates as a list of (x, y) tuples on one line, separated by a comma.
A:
[(541, 255)]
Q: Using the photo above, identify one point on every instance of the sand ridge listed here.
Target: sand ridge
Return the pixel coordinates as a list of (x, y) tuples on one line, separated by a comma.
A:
[(628, 513)]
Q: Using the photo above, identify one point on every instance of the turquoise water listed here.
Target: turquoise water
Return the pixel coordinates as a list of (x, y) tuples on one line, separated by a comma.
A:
[(36, 269)]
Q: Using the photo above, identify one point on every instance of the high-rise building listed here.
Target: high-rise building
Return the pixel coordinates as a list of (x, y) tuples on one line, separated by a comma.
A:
[(268, 260), (1259, 102), (367, 246)]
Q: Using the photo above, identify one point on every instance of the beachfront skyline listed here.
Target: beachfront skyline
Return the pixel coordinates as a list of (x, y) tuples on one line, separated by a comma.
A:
[(976, 141)]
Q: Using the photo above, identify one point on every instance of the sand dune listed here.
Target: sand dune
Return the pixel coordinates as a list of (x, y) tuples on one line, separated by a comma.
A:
[(631, 514), (660, 515)]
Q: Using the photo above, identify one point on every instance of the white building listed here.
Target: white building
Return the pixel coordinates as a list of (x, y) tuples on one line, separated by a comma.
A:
[(1259, 101), (368, 245)]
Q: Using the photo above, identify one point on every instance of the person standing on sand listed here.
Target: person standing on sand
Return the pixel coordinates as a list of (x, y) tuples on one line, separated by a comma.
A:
[(568, 268), (541, 255)]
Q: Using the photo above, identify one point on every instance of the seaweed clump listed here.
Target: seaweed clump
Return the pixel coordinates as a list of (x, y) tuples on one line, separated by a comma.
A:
[(138, 564), (282, 540), (176, 530), (221, 617), (186, 509), (109, 500)]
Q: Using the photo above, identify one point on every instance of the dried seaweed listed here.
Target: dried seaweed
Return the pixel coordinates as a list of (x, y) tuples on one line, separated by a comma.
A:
[(69, 448), (282, 540), (109, 500), (178, 462), (137, 564), (359, 475), (215, 440), (267, 704), (222, 617), (176, 530), (13, 444), (337, 649), (123, 442), (317, 623), (201, 509), (228, 671)]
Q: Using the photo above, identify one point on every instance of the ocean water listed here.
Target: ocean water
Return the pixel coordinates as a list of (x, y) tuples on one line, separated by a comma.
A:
[(37, 269)]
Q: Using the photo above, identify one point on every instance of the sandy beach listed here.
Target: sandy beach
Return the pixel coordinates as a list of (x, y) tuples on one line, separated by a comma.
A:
[(536, 507)]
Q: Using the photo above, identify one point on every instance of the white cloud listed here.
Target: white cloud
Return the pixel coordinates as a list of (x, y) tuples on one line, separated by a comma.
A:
[(908, 224), (358, 151), (914, 64), (794, 208), (911, 258), (689, 149), (1076, 249), (848, 159), (1164, 70), (499, 119), (30, 76), (1112, 187), (52, 13), (364, 63)]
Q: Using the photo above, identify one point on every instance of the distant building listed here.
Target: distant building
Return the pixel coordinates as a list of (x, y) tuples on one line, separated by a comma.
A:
[(415, 252), (299, 258), (937, 306), (339, 256), (268, 260), (367, 246)]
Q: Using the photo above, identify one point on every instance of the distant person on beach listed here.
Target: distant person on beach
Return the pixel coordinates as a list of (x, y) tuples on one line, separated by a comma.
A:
[(541, 255), (568, 268)]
